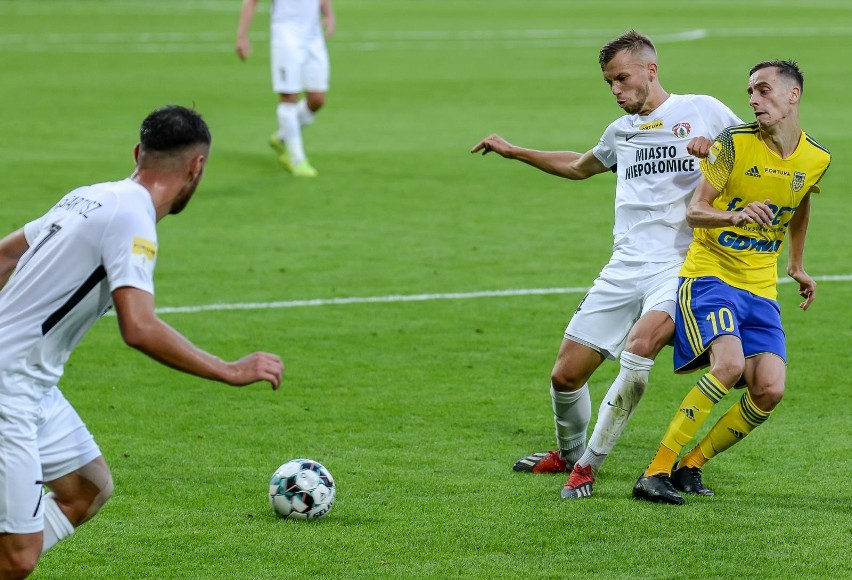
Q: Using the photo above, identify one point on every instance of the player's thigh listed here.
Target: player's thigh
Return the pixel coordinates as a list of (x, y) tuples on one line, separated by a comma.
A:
[(608, 311), (316, 68), (287, 56), (655, 327), (21, 507), (65, 444), (707, 310)]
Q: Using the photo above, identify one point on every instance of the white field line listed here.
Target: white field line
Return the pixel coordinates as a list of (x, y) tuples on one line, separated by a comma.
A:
[(221, 42), (412, 298)]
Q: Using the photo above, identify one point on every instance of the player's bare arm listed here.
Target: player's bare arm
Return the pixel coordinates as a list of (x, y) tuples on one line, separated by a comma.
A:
[(567, 164), (243, 46), (702, 214), (143, 330), (797, 233), (329, 22), (12, 247)]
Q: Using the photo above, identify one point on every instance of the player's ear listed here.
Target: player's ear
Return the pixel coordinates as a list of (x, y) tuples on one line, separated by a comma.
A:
[(795, 95), (136, 153), (652, 71), (196, 166)]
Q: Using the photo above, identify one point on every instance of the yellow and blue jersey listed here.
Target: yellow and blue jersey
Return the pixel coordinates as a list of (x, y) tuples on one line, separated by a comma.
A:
[(744, 169)]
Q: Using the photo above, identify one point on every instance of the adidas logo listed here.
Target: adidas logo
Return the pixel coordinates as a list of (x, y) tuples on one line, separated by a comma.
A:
[(737, 434), (689, 413), (753, 172)]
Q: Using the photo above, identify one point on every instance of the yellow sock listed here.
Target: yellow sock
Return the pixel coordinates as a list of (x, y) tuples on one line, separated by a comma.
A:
[(740, 420), (692, 413)]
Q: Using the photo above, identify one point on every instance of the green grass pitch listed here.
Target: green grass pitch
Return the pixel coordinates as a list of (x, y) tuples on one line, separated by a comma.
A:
[(418, 408)]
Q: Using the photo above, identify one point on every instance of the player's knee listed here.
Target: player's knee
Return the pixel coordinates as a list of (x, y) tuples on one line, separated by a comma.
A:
[(767, 395), (566, 380), (316, 101), (19, 563), (728, 372)]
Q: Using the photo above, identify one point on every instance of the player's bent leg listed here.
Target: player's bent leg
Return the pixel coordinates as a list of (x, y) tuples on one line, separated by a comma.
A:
[(19, 554), (74, 499), (572, 409), (766, 376)]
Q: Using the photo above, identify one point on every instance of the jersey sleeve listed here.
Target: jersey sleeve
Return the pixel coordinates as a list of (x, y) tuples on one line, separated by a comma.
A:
[(605, 149), (719, 163), (129, 250), (32, 229)]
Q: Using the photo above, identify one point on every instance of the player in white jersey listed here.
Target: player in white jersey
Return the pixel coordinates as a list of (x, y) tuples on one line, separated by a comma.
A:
[(629, 311), (300, 64), (95, 249)]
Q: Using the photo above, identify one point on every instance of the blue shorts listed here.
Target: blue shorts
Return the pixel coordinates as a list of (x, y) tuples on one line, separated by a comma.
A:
[(709, 308)]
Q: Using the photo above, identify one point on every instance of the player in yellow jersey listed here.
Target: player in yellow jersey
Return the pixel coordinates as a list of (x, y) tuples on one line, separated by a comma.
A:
[(756, 186)]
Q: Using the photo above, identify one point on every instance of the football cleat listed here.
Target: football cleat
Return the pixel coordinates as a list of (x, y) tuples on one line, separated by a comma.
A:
[(280, 147), (688, 480), (544, 462), (579, 483), (303, 169), (658, 489)]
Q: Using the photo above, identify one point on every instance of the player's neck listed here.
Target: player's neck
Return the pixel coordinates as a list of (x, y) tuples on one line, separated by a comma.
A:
[(655, 99), (783, 137)]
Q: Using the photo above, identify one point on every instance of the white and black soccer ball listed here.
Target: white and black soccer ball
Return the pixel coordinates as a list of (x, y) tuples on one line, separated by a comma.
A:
[(302, 489)]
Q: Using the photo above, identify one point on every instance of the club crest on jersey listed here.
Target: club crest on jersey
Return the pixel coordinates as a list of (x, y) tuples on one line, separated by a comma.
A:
[(682, 130), (798, 180)]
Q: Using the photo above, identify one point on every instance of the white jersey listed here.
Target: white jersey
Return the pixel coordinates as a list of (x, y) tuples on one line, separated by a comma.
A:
[(96, 239), (300, 15), (656, 175)]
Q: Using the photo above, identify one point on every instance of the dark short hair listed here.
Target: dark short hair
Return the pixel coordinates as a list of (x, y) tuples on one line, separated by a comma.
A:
[(786, 68), (631, 41), (172, 128)]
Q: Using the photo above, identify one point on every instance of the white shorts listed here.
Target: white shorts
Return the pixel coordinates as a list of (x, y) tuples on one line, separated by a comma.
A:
[(37, 445), (299, 62), (622, 293)]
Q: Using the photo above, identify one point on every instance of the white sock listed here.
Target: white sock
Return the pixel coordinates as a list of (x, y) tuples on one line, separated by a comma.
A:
[(56, 524), (616, 408), (290, 131), (571, 414), (306, 116)]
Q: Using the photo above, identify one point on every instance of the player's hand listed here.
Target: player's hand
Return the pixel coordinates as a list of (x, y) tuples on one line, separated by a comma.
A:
[(699, 147), (258, 366), (243, 48), (755, 212), (330, 25), (807, 287), (493, 143)]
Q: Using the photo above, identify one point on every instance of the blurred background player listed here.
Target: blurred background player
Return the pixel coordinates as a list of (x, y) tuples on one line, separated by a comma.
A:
[(300, 64), (96, 248), (629, 312), (757, 183)]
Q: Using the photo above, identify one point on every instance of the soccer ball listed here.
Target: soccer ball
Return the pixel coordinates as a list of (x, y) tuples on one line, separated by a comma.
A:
[(302, 489)]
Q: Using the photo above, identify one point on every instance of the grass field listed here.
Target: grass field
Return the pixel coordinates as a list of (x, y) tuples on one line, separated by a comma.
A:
[(418, 407)]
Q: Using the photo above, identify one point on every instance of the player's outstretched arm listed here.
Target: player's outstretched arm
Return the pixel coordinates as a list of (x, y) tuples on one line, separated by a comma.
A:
[(143, 330), (567, 164), (12, 247)]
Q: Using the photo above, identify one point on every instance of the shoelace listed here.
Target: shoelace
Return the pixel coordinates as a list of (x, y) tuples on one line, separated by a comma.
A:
[(579, 476)]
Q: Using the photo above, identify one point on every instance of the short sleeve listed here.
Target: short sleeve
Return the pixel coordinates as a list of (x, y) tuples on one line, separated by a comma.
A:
[(719, 163), (129, 250), (605, 149)]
